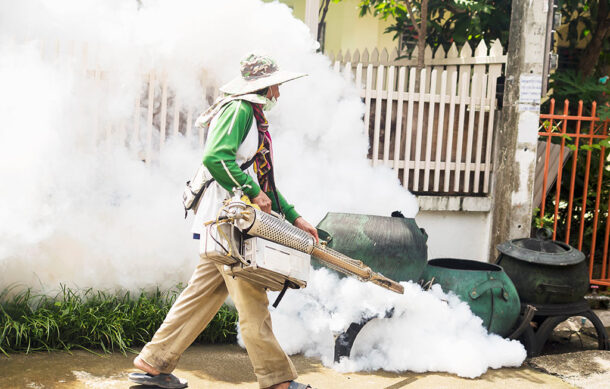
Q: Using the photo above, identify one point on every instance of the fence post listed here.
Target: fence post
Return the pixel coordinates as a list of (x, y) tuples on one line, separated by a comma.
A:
[(515, 143)]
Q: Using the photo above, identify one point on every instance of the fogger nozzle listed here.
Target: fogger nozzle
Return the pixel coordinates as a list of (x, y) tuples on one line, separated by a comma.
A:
[(255, 222)]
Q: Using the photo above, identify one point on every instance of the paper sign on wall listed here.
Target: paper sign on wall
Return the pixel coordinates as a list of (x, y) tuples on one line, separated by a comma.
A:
[(530, 89)]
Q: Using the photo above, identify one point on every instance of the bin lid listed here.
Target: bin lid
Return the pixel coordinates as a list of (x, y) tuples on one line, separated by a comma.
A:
[(542, 250)]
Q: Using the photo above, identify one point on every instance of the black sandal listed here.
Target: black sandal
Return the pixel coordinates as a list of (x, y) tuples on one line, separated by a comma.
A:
[(166, 381)]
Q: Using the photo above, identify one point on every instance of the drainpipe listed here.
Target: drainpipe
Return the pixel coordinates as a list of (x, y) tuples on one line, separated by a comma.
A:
[(514, 162)]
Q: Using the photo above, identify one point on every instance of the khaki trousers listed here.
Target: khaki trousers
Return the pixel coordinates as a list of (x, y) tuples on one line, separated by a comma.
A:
[(194, 309)]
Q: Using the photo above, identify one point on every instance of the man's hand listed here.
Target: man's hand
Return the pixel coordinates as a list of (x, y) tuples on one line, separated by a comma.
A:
[(305, 226), (263, 201)]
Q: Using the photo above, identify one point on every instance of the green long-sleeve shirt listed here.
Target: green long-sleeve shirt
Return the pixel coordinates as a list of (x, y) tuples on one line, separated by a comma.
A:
[(220, 150)]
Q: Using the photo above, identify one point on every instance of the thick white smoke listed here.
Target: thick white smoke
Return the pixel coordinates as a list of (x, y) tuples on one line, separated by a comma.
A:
[(75, 209), (81, 208), (427, 331)]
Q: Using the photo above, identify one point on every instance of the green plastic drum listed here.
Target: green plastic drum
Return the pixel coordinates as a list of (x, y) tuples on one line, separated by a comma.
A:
[(484, 286), (393, 246)]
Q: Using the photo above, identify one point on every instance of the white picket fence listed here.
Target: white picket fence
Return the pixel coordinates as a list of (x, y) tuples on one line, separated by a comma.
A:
[(438, 137)]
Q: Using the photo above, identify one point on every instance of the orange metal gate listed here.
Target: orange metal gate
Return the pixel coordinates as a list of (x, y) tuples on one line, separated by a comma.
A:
[(578, 206)]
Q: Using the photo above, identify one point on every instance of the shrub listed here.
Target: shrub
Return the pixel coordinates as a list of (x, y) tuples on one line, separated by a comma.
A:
[(91, 320)]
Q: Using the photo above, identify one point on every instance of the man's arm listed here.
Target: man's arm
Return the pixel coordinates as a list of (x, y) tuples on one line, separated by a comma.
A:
[(219, 158), (221, 148)]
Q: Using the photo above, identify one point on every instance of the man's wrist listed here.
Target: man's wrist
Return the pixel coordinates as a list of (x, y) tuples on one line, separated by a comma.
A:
[(291, 215)]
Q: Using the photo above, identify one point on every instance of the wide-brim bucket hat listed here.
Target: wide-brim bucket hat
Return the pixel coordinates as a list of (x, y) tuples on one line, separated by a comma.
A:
[(258, 72)]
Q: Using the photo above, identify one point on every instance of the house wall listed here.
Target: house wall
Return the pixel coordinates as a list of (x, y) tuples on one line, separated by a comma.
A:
[(346, 30), (298, 7), (457, 227)]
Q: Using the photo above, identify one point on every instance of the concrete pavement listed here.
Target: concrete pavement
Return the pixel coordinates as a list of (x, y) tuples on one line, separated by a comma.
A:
[(227, 366)]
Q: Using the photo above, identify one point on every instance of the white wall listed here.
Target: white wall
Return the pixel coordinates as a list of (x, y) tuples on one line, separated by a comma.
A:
[(458, 233)]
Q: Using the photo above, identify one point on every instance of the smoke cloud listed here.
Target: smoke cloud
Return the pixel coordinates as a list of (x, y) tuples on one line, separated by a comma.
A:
[(427, 330), (80, 207)]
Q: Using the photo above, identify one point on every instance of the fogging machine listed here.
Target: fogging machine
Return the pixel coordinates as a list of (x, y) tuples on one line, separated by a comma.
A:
[(270, 252)]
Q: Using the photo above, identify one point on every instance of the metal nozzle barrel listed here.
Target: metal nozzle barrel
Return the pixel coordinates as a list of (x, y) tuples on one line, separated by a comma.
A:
[(353, 267)]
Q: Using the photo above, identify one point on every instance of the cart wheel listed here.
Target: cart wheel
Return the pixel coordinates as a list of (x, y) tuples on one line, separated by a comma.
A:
[(345, 341), (602, 335)]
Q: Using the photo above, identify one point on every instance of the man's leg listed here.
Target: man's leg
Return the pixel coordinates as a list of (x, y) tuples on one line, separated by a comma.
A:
[(188, 317), (271, 364)]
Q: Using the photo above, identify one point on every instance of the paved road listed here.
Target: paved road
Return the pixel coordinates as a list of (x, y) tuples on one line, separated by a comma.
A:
[(227, 366)]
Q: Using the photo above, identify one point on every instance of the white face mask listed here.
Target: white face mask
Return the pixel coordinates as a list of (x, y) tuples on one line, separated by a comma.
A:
[(269, 104)]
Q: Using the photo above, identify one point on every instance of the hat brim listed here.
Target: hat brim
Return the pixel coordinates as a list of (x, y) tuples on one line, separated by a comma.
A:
[(240, 86)]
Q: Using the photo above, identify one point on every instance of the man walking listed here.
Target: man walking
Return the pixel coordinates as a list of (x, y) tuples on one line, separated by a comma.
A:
[(238, 132)]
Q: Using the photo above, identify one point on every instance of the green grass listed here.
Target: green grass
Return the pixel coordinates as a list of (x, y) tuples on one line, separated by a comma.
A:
[(94, 320)]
